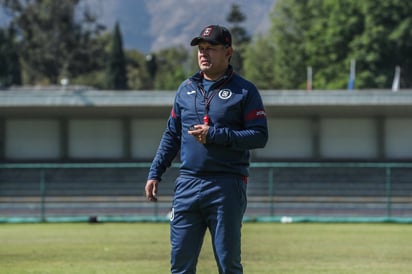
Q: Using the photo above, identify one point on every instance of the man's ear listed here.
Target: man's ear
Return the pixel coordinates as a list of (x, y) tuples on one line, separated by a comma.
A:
[(229, 52)]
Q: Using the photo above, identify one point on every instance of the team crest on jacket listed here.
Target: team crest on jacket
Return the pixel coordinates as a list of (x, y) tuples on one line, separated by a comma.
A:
[(225, 94)]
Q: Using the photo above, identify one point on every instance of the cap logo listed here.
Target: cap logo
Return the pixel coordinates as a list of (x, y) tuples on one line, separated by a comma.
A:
[(207, 32)]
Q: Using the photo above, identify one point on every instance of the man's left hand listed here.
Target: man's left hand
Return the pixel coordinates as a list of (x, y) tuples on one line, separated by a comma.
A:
[(200, 132)]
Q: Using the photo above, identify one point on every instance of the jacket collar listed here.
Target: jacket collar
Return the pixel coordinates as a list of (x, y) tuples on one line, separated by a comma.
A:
[(198, 77)]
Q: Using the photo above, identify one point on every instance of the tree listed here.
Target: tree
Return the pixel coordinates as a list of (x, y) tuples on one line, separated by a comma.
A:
[(384, 43), (137, 73), (327, 34), (10, 70), (94, 71), (258, 63), (290, 21), (171, 65), (240, 38), (53, 40), (116, 68)]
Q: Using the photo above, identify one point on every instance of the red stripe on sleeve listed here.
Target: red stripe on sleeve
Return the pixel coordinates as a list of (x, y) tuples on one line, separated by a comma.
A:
[(255, 114)]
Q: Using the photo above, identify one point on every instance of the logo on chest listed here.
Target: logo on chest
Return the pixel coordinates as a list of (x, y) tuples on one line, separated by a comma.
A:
[(225, 94)]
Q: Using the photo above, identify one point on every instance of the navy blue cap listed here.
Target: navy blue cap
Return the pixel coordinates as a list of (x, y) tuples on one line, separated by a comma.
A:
[(215, 35)]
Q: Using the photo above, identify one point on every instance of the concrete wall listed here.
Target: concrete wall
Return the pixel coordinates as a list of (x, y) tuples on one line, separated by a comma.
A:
[(304, 139), (90, 125)]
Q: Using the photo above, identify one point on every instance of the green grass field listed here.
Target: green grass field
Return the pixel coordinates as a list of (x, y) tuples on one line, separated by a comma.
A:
[(144, 248)]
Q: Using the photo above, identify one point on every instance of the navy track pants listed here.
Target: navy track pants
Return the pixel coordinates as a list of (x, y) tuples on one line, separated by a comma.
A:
[(217, 204)]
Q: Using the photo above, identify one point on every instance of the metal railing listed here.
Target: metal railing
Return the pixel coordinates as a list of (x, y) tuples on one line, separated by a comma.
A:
[(287, 191)]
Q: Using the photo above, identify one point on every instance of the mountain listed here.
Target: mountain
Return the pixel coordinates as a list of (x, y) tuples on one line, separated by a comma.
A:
[(149, 25)]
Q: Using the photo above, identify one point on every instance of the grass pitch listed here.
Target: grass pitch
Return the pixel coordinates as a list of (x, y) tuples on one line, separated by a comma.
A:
[(144, 248)]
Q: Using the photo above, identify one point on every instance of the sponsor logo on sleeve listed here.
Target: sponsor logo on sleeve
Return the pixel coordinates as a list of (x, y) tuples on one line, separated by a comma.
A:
[(260, 113)]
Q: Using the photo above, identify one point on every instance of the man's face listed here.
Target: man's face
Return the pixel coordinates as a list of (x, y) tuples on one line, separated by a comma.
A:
[(212, 59)]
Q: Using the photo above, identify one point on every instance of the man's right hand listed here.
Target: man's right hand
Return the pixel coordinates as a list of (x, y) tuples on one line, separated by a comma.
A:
[(151, 190)]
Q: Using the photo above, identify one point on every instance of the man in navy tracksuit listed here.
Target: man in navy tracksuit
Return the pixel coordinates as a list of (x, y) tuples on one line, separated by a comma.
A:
[(217, 117)]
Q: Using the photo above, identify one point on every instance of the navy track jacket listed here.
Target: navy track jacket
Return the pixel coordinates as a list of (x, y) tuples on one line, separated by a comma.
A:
[(237, 123)]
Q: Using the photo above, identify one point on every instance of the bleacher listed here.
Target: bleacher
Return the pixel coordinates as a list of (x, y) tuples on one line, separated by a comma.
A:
[(273, 190)]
